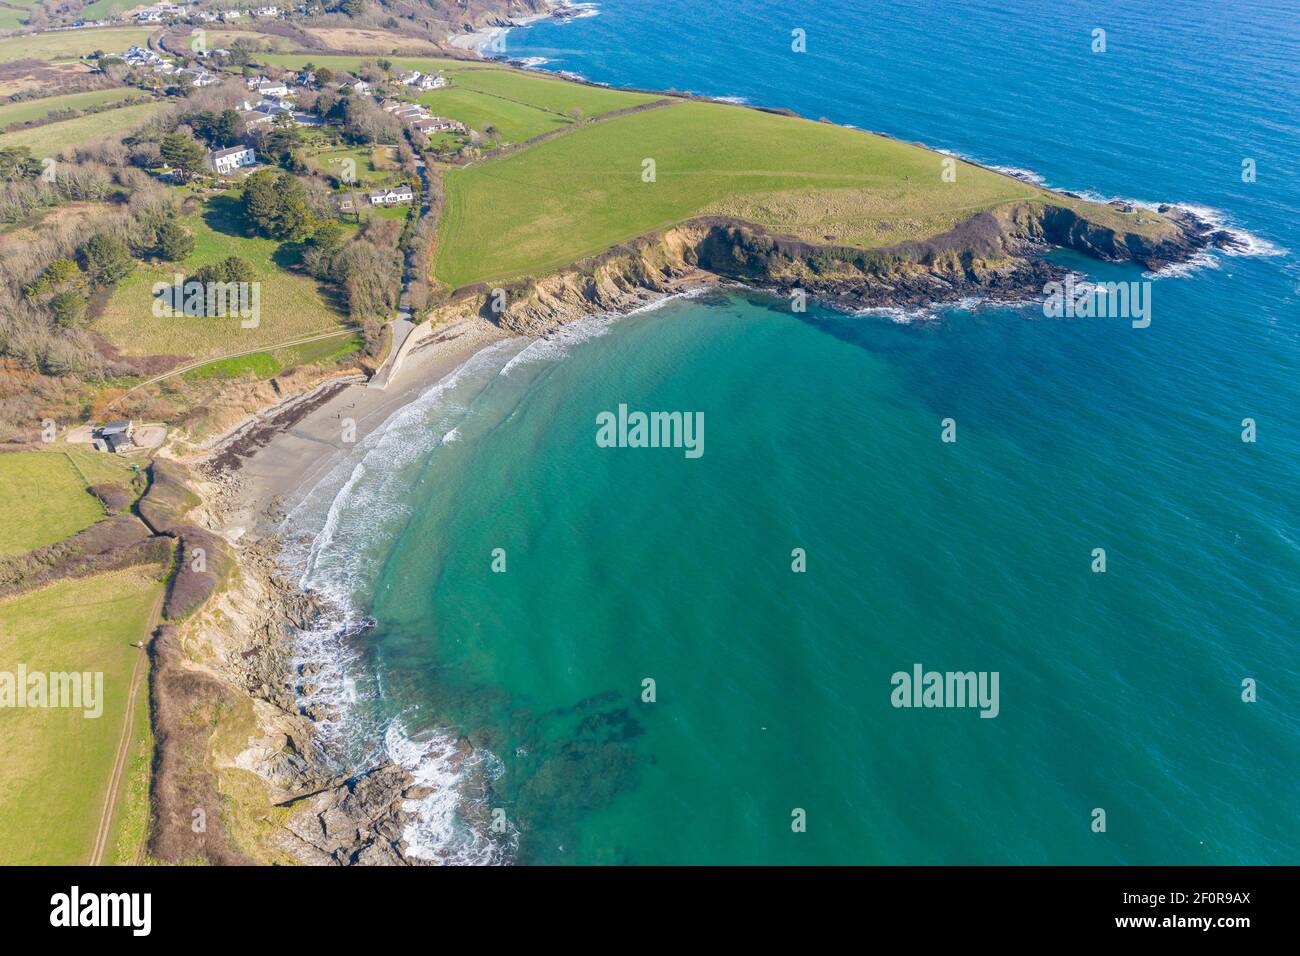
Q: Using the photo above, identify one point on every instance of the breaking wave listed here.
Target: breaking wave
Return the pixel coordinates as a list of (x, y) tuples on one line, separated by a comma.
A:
[(358, 507)]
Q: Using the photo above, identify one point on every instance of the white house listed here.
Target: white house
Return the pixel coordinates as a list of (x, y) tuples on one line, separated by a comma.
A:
[(431, 81), (266, 11), (224, 161), (270, 104), (391, 197), (360, 86), (199, 77), (271, 88), (139, 56), (437, 124), (160, 12)]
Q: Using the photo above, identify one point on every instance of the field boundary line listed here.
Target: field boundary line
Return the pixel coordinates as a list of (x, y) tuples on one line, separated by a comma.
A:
[(123, 743)]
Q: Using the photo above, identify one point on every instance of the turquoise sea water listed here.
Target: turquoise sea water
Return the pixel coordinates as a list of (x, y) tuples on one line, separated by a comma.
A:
[(522, 691)]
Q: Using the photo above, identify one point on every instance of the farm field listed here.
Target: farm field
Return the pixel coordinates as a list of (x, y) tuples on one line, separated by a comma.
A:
[(71, 44), (103, 9), (45, 500), (55, 763), (516, 122), (27, 110), (14, 12), (521, 86), (129, 828), (351, 61), (546, 93), (52, 138), (217, 39), (378, 42), (292, 305), (574, 196)]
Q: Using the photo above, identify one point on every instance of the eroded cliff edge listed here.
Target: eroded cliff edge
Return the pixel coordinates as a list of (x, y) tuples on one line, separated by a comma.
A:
[(998, 254)]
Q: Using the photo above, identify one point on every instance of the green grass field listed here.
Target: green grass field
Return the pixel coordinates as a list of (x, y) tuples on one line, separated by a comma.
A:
[(14, 12), (351, 61), (525, 87), (544, 92), (266, 365), (516, 122), (292, 305), (55, 763), (130, 824), (45, 500), (51, 139), (103, 9), (71, 44), (27, 110), (575, 196), (330, 162)]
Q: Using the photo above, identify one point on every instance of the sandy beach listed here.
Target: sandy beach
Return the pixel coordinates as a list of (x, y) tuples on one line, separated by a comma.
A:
[(277, 458)]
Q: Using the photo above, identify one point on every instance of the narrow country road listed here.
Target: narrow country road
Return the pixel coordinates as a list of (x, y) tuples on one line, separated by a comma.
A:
[(140, 668), (403, 327)]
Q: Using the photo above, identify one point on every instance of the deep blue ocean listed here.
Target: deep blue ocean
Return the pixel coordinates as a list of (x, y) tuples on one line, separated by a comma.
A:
[(1120, 691)]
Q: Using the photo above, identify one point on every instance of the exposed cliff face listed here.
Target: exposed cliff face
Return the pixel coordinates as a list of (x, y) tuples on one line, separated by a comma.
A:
[(1182, 237), (994, 254)]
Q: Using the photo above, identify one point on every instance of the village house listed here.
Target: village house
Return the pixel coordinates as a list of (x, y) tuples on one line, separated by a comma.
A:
[(271, 88), (223, 161), (139, 56), (199, 76), (357, 86), (160, 12), (423, 81), (114, 436), (418, 117), (255, 117), (391, 197), (437, 124)]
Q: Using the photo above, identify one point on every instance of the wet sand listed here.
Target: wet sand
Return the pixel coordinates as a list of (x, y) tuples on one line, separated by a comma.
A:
[(279, 456)]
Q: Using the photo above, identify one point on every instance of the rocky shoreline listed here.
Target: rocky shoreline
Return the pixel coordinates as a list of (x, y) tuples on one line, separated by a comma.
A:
[(998, 256), (253, 766), (244, 647), (248, 639)]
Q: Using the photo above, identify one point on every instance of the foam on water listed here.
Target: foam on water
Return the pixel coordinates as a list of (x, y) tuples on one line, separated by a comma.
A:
[(365, 495), (1244, 242), (554, 346), (452, 824)]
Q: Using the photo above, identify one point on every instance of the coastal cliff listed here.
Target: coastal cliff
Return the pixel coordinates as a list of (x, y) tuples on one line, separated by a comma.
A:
[(997, 254)]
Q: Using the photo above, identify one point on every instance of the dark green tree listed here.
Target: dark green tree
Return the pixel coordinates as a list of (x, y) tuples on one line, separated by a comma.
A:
[(275, 206), (174, 242), (68, 308), (106, 259), (183, 153)]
